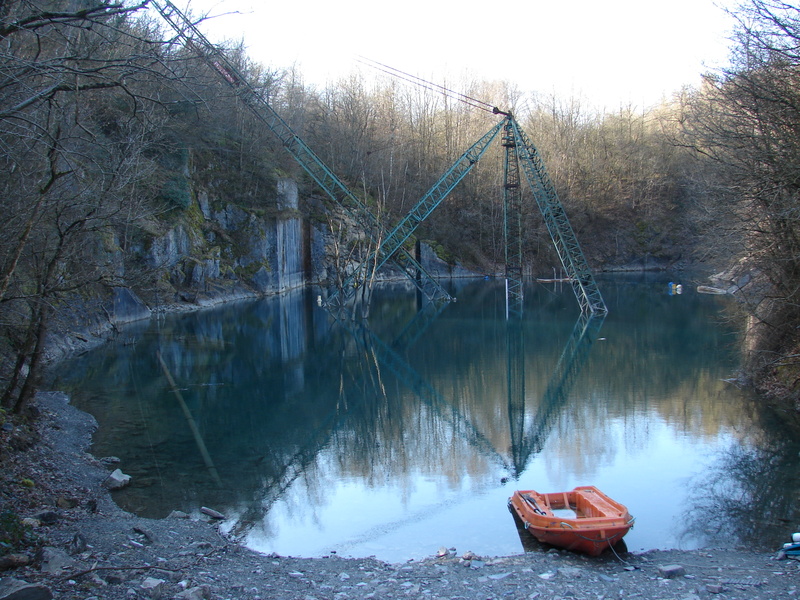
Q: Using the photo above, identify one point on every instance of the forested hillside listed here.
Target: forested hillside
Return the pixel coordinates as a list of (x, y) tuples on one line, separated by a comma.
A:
[(128, 164)]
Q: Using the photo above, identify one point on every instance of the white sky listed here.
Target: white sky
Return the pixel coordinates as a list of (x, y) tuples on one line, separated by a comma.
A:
[(608, 53)]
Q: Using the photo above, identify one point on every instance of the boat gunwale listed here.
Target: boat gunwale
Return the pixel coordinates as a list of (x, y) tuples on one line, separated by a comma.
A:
[(619, 511)]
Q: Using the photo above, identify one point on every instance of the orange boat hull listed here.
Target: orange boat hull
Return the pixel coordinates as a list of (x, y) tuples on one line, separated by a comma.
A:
[(595, 522)]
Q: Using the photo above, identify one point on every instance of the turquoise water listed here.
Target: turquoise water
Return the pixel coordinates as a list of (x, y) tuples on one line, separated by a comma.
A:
[(411, 433)]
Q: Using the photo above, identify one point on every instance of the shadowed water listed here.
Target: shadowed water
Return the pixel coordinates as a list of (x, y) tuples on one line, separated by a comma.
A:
[(410, 433)]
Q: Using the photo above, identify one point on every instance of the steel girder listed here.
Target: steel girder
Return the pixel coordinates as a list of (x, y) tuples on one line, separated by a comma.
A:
[(512, 221), (405, 228)]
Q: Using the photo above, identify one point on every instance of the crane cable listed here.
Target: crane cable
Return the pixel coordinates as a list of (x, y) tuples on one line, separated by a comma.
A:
[(428, 85)]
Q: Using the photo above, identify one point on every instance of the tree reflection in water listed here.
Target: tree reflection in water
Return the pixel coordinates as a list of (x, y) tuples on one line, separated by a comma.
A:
[(750, 494), (349, 437)]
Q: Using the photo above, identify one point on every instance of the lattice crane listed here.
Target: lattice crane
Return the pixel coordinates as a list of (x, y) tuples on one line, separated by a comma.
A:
[(521, 155)]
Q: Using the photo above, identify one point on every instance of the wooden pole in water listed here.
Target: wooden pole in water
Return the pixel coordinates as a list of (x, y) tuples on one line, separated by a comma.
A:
[(189, 419)]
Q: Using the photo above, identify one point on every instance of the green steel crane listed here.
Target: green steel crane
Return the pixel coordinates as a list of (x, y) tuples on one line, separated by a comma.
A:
[(521, 154), (305, 157)]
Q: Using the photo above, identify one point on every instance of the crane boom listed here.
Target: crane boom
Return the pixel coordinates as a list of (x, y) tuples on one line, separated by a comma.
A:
[(300, 151), (558, 226)]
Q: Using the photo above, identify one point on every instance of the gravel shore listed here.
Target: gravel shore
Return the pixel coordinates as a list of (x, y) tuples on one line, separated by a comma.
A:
[(90, 548)]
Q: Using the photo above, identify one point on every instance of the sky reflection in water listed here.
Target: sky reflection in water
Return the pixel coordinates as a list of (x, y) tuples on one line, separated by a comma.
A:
[(393, 442)]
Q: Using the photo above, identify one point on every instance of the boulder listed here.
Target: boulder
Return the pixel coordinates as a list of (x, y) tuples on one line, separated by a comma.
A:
[(211, 513), (66, 503), (54, 561), (194, 593), (153, 588), (117, 480), (17, 589), (13, 561), (148, 535), (570, 572), (77, 544), (48, 517), (127, 307), (671, 571)]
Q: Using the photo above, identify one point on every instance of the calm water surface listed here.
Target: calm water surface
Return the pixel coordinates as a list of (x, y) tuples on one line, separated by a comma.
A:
[(410, 434)]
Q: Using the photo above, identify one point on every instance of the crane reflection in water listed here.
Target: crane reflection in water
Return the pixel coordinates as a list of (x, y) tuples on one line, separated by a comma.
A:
[(368, 361), (324, 434)]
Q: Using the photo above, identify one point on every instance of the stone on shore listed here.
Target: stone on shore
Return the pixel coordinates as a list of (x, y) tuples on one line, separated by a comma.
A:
[(153, 588), (13, 561), (17, 589), (117, 480), (671, 571), (55, 561), (211, 513), (194, 593)]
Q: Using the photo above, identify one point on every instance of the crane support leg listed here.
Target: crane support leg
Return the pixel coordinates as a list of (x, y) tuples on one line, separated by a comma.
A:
[(558, 226), (433, 198)]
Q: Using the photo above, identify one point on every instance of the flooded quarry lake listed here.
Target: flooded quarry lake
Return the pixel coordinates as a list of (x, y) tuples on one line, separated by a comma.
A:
[(409, 432)]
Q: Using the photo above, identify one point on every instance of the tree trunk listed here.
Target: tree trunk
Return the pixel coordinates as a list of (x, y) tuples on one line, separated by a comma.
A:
[(29, 386), (23, 354)]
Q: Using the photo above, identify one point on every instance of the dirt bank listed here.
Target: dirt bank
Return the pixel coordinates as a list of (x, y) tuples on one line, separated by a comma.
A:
[(89, 548)]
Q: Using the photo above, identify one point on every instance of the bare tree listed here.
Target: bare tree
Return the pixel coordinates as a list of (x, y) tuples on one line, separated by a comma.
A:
[(747, 120), (79, 87)]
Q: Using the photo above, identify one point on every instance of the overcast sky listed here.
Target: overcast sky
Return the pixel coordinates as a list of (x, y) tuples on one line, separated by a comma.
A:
[(609, 52)]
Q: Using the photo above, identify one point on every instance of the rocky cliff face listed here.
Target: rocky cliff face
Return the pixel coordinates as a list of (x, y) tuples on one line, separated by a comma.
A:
[(213, 251), (219, 251)]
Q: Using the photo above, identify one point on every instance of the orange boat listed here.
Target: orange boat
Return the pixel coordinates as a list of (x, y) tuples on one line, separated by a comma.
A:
[(584, 520)]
